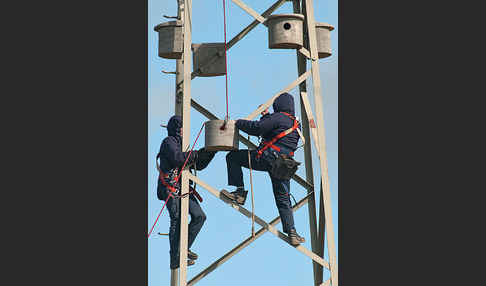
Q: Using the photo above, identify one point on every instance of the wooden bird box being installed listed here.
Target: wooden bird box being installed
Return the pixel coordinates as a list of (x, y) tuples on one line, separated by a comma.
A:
[(285, 31), (208, 59), (221, 140), (170, 39), (323, 33)]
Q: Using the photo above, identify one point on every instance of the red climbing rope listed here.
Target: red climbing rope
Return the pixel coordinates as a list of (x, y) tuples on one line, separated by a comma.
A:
[(225, 60), (177, 180)]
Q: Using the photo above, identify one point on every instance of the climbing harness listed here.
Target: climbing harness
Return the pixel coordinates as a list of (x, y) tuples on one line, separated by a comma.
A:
[(163, 176), (284, 166), (185, 162), (270, 144)]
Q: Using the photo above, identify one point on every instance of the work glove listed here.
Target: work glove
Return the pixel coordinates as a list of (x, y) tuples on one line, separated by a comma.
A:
[(193, 157)]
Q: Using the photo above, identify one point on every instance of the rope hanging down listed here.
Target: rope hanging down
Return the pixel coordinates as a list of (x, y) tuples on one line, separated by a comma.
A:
[(225, 60), (252, 197), (171, 195)]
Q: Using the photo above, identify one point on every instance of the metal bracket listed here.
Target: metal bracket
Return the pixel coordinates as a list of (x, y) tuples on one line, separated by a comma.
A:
[(166, 72), (171, 17)]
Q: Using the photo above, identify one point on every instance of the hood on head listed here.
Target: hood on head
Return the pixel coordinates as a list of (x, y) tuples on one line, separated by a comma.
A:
[(284, 103), (174, 126)]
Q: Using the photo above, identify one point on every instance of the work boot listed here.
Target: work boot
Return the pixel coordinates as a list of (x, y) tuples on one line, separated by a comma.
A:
[(294, 238), (190, 262), (191, 255), (238, 196)]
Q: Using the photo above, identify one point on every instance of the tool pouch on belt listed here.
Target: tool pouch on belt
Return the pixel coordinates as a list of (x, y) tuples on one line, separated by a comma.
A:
[(284, 167)]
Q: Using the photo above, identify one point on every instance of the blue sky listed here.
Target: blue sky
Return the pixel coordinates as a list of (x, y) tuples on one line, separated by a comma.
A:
[(255, 73)]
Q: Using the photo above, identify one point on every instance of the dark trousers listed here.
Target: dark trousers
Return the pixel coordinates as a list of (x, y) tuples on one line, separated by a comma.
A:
[(197, 220), (281, 188)]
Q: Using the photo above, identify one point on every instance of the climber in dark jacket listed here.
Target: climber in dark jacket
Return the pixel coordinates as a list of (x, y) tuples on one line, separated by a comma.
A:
[(171, 161), (269, 126)]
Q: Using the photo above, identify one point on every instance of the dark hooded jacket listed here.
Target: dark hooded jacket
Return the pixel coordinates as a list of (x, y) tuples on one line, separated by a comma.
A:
[(271, 125), (171, 155)]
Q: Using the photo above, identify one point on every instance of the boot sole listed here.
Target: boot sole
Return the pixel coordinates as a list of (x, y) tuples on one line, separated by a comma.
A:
[(296, 241), (188, 264), (240, 201), (231, 197)]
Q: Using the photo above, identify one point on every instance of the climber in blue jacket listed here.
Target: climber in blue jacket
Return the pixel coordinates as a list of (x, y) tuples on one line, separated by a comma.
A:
[(171, 161), (268, 127)]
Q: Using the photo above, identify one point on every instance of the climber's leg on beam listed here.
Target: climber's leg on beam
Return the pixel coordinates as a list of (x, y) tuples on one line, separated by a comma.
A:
[(234, 161)]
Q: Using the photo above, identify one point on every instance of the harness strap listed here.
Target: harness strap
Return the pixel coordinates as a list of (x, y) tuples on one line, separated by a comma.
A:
[(278, 149), (270, 144), (172, 189), (163, 175)]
